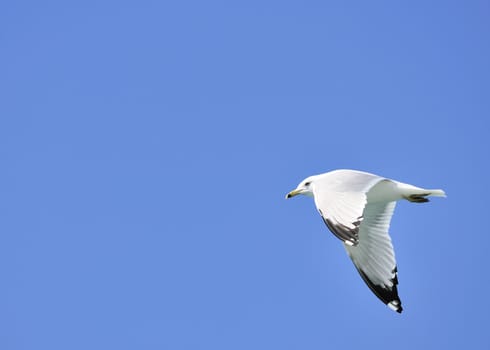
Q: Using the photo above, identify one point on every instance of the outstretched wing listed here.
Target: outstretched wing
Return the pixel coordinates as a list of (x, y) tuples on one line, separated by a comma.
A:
[(341, 199), (344, 215), (374, 256)]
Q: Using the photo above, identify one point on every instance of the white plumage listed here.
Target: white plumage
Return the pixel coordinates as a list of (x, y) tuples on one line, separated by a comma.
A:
[(357, 207)]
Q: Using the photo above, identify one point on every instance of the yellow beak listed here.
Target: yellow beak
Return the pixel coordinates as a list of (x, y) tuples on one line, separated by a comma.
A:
[(293, 193)]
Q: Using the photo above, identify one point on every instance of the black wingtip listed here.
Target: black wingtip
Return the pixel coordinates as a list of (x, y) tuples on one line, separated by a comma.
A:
[(389, 296), (395, 305)]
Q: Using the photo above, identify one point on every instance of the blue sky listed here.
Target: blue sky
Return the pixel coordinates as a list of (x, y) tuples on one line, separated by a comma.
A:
[(147, 146)]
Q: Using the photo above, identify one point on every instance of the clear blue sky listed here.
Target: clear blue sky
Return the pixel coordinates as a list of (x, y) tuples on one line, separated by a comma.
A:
[(146, 148)]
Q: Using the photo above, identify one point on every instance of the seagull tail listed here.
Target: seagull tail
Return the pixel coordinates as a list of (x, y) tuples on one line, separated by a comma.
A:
[(417, 194), (437, 193), (420, 196)]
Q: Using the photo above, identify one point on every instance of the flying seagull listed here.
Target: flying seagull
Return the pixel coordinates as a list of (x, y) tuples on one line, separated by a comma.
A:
[(357, 207)]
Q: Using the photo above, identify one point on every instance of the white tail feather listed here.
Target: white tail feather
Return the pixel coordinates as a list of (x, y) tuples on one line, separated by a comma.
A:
[(407, 190), (437, 193)]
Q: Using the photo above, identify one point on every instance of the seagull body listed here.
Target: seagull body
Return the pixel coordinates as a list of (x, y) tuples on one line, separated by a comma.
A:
[(357, 207)]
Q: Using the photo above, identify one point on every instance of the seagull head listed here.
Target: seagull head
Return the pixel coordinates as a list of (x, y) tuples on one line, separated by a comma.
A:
[(305, 187)]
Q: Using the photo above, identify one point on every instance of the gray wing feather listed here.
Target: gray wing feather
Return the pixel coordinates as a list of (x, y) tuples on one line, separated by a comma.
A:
[(374, 256), (341, 199)]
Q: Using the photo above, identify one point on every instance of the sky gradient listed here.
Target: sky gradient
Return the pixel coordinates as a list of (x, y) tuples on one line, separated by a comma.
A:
[(147, 147)]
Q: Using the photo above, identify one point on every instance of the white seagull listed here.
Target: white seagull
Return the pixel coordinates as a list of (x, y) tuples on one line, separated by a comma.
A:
[(357, 207)]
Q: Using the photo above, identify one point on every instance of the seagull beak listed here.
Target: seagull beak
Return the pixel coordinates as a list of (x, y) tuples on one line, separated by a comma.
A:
[(293, 193)]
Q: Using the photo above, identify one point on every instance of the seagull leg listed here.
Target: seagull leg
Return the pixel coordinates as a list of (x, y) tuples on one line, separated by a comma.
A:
[(417, 198)]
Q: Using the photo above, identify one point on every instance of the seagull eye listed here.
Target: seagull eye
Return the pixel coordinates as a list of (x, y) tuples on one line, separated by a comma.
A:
[(307, 184)]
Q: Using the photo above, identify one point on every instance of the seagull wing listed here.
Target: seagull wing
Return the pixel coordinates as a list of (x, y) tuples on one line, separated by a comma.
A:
[(374, 256), (341, 199), (342, 213)]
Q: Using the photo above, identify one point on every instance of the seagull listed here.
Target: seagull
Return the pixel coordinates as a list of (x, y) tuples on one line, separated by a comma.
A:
[(357, 208)]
